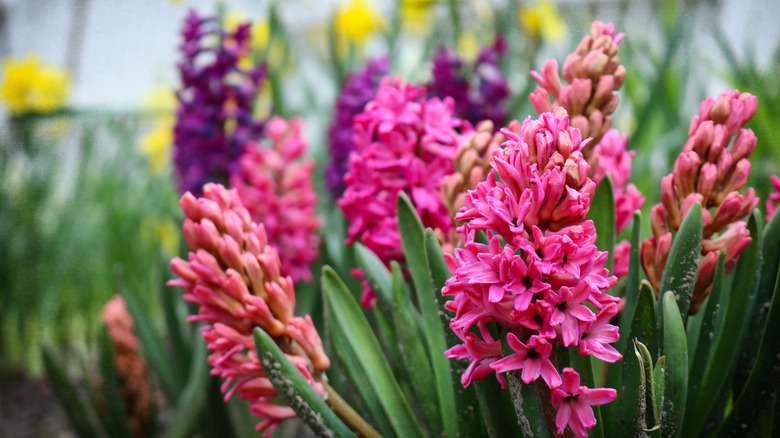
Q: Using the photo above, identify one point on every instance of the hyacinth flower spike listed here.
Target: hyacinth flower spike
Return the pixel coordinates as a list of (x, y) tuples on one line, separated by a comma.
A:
[(131, 368), (711, 169), (233, 276), (276, 186), (540, 278)]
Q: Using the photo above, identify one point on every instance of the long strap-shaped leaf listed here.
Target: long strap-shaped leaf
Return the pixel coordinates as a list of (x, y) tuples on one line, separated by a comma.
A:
[(602, 213), (295, 390), (67, 395), (724, 354), (763, 380), (358, 348), (676, 374), (413, 240), (682, 264), (470, 417)]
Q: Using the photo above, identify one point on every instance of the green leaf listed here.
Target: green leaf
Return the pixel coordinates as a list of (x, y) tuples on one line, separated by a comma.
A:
[(413, 352), (632, 282), (602, 213), (760, 299), (683, 264), (113, 417), (706, 336), (67, 395), (358, 349), (676, 373), (192, 399), (413, 240), (724, 354), (152, 347), (648, 410), (643, 329), (376, 273), (659, 378), (528, 406), (763, 380), (295, 390), (466, 403), (498, 412)]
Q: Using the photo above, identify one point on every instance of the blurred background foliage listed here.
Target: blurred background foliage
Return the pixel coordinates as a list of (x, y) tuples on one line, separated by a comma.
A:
[(88, 208)]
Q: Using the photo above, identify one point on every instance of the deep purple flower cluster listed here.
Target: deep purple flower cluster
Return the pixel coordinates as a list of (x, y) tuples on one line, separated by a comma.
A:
[(214, 119), (479, 90), (358, 89)]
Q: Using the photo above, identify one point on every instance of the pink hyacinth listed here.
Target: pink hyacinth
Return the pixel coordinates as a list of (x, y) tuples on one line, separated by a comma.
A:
[(275, 184), (774, 198), (233, 275), (540, 276), (574, 403), (711, 169), (404, 143)]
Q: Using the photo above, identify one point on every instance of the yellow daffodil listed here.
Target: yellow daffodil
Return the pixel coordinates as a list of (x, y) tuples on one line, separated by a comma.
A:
[(156, 145), (29, 87), (261, 44), (357, 20), (543, 21), (416, 14)]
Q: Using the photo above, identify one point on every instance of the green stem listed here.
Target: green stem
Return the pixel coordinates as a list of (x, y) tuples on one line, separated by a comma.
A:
[(352, 419)]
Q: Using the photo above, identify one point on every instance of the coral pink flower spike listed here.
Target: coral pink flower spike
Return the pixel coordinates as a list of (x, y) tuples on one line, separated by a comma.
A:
[(574, 403), (233, 275)]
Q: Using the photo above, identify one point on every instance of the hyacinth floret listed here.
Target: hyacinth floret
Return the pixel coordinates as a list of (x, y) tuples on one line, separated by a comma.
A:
[(358, 89), (540, 276), (774, 198), (275, 184), (233, 276), (407, 143), (214, 119), (479, 89), (711, 169)]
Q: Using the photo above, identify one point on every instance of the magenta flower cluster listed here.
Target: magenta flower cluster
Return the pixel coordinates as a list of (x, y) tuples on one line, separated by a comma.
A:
[(274, 182), (403, 143), (215, 93), (358, 89), (539, 276), (479, 89)]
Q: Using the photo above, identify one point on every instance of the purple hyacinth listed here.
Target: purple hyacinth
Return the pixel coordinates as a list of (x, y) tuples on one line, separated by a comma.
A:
[(479, 90), (358, 89), (214, 119)]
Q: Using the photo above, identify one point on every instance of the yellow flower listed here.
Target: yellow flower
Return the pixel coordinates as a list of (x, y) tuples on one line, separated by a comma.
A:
[(29, 87), (160, 98), (357, 20), (261, 44), (468, 46), (543, 21), (416, 14), (156, 145), (164, 233)]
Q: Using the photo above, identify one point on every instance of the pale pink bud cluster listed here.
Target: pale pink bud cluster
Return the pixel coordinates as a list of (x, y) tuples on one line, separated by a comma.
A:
[(774, 198), (472, 164), (134, 389), (540, 277), (233, 275), (275, 184), (710, 169), (404, 143), (593, 74)]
